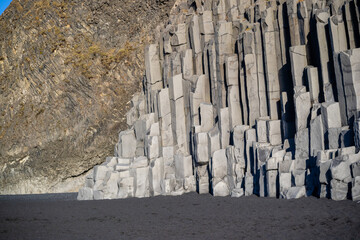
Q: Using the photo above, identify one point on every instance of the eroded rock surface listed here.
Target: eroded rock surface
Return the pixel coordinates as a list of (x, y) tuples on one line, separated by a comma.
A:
[(68, 70)]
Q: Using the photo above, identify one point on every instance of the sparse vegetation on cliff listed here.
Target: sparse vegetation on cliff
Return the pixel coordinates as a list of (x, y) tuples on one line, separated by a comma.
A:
[(67, 72)]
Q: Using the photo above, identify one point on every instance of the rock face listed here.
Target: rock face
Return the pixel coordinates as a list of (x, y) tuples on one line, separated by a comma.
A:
[(244, 98), (68, 70)]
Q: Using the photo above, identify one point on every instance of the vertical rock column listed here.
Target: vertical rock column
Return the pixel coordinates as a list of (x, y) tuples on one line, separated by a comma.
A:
[(153, 75), (242, 81), (263, 104), (241, 163), (272, 78), (233, 90), (224, 46), (350, 65), (167, 141), (298, 64), (338, 43), (251, 76), (196, 44), (293, 22), (326, 70), (178, 118)]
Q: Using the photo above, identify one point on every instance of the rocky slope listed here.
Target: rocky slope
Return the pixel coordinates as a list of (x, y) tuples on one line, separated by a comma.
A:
[(67, 72)]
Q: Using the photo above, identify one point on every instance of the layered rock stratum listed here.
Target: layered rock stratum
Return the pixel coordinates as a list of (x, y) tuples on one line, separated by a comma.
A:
[(241, 98), (68, 70)]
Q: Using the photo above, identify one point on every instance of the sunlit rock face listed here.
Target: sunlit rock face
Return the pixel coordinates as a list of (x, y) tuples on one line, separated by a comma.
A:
[(242, 98)]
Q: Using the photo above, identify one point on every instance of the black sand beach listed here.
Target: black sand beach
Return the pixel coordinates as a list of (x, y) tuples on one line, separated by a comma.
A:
[(191, 216)]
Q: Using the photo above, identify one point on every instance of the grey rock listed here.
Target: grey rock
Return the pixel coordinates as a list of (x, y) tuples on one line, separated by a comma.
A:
[(237, 193), (272, 188), (331, 115), (126, 187), (142, 182), (274, 132), (220, 188), (219, 118), (85, 193), (183, 166), (355, 169), (201, 148), (298, 64), (340, 170), (296, 192), (355, 190), (339, 190), (285, 184), (219, 164), (249, 184), (302, 109), (156, 177)]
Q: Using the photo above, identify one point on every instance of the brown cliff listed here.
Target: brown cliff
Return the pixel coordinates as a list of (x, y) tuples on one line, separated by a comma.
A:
[(67, 72)]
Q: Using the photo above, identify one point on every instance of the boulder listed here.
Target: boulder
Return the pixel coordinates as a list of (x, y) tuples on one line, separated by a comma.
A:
[(237, 192), (220, 188), (85, 193), (339, 190), (296, 192)]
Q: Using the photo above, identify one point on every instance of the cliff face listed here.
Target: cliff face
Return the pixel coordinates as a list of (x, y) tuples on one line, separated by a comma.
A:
[(244, 97), (67, 72)]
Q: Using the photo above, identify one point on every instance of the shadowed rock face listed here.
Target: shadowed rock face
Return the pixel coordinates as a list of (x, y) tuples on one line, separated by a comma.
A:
[(67, 72)]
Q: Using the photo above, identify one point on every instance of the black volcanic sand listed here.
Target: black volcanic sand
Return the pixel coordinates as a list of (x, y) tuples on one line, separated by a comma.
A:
[(191, 216)]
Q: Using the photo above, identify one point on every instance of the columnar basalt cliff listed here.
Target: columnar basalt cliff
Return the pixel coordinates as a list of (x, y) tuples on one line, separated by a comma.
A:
[(244, 97)]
